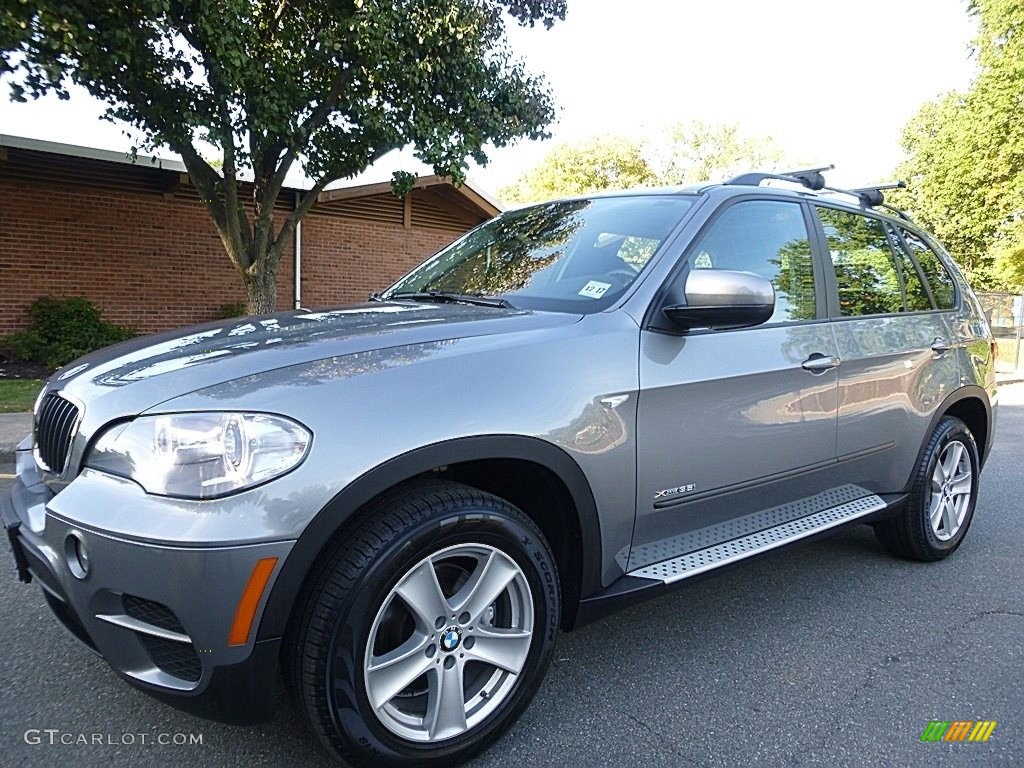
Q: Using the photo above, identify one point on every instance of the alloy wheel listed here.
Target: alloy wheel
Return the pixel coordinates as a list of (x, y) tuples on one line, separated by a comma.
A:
[(448, 643), (952, 482)]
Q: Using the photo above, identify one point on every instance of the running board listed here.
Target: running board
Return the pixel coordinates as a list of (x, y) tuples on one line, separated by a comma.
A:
[(692, 563)]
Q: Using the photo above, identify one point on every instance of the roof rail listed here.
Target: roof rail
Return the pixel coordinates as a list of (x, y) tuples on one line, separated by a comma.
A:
[(809, 177), (812, 179)]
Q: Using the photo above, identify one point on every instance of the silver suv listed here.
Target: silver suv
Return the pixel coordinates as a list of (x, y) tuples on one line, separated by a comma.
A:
[(576, 405)]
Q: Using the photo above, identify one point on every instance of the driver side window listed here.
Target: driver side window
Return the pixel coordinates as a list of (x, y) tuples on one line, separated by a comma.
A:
[(768, 238)]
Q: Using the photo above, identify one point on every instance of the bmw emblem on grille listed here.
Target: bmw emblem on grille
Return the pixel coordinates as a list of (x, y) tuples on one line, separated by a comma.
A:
[(450, 639)]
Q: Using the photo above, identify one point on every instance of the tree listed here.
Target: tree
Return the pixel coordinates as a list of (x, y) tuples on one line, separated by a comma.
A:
[(331, 85), (684, 153), (966, 151), (612, 162), (1008, 258), (699, 151)]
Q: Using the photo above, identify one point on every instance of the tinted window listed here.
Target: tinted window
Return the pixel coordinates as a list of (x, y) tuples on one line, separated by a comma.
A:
[(866, 273), (571, 256), (916, 295), (768, 238), (934, 271)]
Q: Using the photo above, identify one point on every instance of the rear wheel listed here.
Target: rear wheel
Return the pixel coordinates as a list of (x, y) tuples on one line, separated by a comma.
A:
[(426, 632), (942, 499)]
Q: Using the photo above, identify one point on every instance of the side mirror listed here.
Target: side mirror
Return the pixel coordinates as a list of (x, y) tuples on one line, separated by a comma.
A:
[(720, 298)]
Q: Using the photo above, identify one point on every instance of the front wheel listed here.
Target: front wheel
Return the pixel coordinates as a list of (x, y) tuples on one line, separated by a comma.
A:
[(943, 495), (428, 630)]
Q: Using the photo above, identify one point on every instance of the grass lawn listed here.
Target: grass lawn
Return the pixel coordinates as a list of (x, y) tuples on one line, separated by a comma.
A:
[(18, 395)]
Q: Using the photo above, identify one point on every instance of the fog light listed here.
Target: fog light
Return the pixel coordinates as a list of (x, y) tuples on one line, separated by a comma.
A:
[(76, 555)]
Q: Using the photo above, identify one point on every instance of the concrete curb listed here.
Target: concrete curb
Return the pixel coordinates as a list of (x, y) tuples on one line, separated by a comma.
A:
[(13, 428)]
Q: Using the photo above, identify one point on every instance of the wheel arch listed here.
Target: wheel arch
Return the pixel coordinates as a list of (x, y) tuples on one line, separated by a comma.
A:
[(464, 460), (971, 405)]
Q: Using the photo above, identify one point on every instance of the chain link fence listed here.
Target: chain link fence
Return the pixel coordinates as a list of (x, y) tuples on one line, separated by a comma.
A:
[(1005, 312)]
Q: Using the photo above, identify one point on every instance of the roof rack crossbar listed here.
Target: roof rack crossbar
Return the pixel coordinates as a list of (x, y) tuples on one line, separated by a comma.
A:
[(812, 179), (809, 177), (873, 195)]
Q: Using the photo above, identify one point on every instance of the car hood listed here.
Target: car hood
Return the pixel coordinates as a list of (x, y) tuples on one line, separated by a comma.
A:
[(134, 376)]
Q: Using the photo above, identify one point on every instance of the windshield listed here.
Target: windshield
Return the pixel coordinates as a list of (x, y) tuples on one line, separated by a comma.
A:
[(569, 256)]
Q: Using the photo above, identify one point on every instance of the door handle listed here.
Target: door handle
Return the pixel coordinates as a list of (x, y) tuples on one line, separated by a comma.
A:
[(940, 345), (819, 363)]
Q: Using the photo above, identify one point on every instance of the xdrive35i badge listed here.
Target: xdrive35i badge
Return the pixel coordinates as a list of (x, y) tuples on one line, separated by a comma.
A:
[(674, 491)]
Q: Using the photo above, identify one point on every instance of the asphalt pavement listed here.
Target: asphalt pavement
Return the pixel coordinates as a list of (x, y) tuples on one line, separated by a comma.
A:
[(829, 654)]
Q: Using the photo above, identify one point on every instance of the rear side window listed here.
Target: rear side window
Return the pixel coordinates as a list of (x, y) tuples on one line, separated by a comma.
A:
[(768, 238), (865, 267), (934, 271), (914, 290)]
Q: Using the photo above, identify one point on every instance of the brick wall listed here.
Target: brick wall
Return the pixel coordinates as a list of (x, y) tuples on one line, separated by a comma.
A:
[(344, 260), (153, 263)]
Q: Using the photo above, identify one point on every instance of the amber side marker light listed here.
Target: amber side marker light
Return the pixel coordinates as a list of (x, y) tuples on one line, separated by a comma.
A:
[(246, 611)]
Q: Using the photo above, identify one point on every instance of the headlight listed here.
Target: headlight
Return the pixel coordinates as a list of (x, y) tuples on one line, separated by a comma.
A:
[(200, 455)]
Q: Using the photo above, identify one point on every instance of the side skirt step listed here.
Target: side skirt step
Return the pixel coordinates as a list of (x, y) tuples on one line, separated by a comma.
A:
[(693, 563)]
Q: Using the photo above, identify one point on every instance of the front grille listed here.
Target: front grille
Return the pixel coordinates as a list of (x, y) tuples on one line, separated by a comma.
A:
[(55, 425)]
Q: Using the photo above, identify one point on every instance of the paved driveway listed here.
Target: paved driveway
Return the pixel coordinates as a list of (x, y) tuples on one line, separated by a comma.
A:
[(831, 654)]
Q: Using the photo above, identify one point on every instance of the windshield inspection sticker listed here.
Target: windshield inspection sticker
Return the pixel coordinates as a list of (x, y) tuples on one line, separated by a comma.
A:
[(594, 289)]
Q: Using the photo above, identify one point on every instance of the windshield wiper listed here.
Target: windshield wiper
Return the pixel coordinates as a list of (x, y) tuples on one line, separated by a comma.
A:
[(455, 298)]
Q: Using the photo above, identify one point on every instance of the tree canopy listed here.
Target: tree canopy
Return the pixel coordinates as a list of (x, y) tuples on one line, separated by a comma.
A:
[(683, 153), (612, 162), (698, 151), (328, 85), (966, 154)]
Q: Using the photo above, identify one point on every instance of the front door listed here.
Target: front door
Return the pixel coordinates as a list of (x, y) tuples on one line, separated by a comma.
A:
[(733, 422)]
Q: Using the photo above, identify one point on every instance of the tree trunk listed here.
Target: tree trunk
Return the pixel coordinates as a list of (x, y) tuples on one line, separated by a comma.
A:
[(260, 290)]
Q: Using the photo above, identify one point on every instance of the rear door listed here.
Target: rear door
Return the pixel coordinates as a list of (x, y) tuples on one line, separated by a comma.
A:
[(730, 421), (894, 342)]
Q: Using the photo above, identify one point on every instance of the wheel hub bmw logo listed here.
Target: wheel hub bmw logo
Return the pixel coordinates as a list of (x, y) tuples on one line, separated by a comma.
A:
[(450, 639)]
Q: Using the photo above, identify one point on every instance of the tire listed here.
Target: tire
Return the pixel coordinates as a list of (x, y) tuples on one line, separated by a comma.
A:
[(912, 534), (375, 585)]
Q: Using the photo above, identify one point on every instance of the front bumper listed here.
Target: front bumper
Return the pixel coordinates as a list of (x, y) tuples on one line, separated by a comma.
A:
[(160, 615)]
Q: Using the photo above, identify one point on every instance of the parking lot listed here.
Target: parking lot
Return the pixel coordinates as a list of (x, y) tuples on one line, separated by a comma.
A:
[(832, 653)]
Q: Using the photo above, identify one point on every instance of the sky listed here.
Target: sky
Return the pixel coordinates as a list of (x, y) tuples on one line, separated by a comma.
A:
[(831, 81)]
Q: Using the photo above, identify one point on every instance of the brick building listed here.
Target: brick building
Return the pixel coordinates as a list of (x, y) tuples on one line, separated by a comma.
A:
[(134, 239)]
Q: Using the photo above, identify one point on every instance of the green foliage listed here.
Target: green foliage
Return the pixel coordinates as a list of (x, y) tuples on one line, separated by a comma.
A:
[(62, 330), (684, 153), (332, 85), (966, 154), (1008, 258), (230, 311), (693, 152), (612, 162)]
